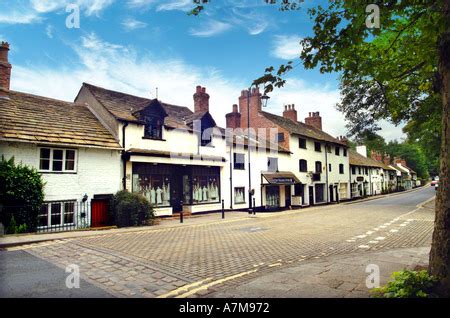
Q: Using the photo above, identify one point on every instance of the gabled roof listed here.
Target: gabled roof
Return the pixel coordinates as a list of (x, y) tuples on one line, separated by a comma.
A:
[(302, 129), (123, 107), (357, 159), (36, 119)]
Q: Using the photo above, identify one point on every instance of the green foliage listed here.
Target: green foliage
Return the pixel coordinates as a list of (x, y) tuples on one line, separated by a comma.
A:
[(130, 209), (21, 195), (412, 153), (407, 284), (14, 229)]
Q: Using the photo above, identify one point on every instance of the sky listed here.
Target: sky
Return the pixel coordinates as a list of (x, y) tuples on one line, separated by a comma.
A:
[(143, 46)]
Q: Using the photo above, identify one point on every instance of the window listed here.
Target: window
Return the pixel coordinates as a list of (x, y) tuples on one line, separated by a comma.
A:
[(55, 214), (303, 165), (345, 152), (328, 148), (329, 167), (239, 161), (318, 167), (341, 168), (317, 147), (153, 127), (302, 143), (239, 195), (366, 171), (57, 160), (353, 170), (299, 190), (337, 151), (206, 137), (272, 164), (280, 137)]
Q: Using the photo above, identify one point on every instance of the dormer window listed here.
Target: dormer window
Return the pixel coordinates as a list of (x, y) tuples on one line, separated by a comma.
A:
[(153, 127)]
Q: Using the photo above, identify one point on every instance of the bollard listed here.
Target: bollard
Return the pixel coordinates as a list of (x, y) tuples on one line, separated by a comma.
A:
[(181, 216), (223, 209), (254, 206)]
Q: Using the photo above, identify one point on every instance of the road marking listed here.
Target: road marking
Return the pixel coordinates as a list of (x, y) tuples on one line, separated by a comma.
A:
[(380, 238), (184, 288), (275, 264), (364, 246), (220, 281)]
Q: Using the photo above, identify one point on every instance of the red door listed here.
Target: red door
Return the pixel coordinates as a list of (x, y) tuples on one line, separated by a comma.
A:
[(99, 213)]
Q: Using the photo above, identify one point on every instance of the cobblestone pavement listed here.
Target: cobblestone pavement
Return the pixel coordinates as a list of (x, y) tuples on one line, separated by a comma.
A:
[(197, 260)]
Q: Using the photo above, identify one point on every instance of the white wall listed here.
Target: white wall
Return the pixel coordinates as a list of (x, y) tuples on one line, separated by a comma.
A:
[(98, 171)]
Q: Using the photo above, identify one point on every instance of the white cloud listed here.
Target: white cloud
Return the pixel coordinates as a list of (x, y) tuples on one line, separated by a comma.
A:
[(286, 47), (131, 24), (49, 31), (210, 28), (182, 5), (15, 17), (121, 68)]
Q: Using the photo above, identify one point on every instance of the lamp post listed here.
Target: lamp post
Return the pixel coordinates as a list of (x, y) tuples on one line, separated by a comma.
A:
[(265, 99)]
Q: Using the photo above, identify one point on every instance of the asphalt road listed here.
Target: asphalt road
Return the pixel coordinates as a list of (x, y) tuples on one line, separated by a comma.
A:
[(181, 261), (404, 199)]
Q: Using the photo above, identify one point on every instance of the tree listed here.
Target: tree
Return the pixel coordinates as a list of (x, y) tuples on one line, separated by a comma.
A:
[(390, 72), (21, 194)]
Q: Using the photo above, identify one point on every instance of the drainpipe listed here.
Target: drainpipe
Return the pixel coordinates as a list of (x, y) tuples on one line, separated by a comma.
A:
[(124, 157), (231, 175), (326, 170)]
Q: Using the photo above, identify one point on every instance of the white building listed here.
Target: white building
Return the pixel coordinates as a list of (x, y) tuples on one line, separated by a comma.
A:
[(172, 156), (318, 161)]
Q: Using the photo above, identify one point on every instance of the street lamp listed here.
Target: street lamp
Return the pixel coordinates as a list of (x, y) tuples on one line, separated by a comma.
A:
[(264, 99)]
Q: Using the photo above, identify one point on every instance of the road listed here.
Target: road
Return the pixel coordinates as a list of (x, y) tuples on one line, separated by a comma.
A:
[(195, 260)]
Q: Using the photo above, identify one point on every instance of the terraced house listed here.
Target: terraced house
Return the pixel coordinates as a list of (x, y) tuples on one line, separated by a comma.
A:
[(79, 159), (318, 163)]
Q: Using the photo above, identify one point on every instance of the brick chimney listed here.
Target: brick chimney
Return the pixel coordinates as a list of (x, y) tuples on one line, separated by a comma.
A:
[(201, 100), (375, 155), (233, 118), (290, 113), (314, 120), (400, 161), (387, 159), (343, 139), (5, 70), (255, 105)]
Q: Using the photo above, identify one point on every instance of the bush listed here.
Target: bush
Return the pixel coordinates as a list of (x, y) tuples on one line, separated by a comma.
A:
[(14, 229), (131, 209), (21, 195), (407, 284)]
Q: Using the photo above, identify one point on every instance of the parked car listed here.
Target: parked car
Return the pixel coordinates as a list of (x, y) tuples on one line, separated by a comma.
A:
[(435, 182)]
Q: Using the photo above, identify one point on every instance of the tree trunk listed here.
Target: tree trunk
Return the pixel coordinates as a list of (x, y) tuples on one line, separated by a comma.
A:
[(440, 248)]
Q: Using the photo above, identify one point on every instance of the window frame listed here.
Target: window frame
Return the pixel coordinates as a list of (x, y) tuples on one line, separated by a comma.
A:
[(236, 163), (64, 160), (337, 150), (61, 215), (300, 143), (269, 168), (316, 165), (305, 166), (315, 146), (243, 192)]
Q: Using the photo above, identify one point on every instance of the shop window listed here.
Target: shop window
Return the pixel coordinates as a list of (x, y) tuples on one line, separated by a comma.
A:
[(155, 187), (239, 195), (272, 164), (206, 189), (303, 165), (273, 196), (239, 161), (302, 143), (317, 147), (57, 160), (299, 190)]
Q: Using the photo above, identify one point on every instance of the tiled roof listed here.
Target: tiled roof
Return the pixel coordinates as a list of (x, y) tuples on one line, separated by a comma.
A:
[(359, 160), (30, 118), (302, 129), (122, 106), (259, 143)]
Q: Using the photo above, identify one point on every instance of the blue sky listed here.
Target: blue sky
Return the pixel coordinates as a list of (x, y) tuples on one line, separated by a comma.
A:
[(138, 45)]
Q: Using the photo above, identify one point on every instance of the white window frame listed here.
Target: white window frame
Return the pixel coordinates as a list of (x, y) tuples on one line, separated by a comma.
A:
[(62, 213), (50, 168)]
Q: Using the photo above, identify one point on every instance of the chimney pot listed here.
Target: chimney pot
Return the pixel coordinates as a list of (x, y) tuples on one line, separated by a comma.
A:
[(314, 120), (201, 100)]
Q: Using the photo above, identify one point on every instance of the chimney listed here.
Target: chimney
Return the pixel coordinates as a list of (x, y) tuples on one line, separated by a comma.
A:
[(201, 100), (5, 70), (375, 155), (343, 139), (362, 150), (400, 161), (387, 159), (255, 105), (314, 120), (290, 113), (233, 118)]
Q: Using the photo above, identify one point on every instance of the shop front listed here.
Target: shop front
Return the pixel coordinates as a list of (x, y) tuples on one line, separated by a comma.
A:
[(172, 188), (277, 189)]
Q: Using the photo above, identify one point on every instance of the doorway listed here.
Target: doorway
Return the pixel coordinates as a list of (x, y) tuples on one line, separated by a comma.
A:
[(287, 193), (311, 195)]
